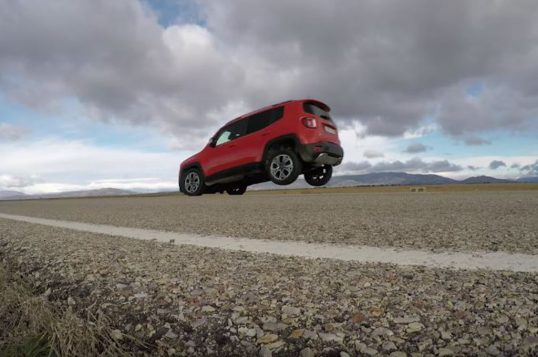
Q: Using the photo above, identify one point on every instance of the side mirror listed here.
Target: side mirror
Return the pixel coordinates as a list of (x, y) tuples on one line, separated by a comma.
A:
[(212, 142)]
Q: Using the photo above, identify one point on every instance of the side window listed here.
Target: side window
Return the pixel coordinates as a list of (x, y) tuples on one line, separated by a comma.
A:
[(261, 120), (224, 137), (231, 132)]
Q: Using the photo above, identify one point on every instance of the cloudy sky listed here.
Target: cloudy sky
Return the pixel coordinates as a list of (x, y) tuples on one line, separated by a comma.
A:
[(98, 93)]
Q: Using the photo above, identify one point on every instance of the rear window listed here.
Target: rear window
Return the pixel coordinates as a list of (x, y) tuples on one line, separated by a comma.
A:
[(264, 119), (316, 110)]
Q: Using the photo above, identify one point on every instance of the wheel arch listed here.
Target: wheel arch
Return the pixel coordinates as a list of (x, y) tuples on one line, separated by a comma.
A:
[(289, 140)]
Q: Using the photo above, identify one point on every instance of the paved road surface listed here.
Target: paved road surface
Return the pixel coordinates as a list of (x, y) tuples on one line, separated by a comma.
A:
[(191, 300)]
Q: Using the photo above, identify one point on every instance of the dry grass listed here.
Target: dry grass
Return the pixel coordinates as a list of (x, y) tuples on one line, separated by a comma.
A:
[(407, 188), (30, 326)]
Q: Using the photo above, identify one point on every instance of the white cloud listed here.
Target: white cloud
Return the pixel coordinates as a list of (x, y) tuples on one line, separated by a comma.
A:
[(56, 165)]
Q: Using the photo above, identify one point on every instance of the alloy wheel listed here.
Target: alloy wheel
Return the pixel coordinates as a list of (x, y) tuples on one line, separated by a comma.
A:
[(281, 167), (192, 182)]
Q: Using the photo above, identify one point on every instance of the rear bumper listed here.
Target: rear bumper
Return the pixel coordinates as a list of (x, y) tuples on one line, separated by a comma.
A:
[(323, 152)]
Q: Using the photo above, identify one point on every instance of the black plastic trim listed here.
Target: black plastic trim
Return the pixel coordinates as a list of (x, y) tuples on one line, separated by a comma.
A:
[(235, 174), (332, 150)]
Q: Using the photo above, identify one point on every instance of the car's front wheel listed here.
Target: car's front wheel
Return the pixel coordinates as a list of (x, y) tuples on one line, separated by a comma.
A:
[(192, 183), (319, 176), (283, 166)]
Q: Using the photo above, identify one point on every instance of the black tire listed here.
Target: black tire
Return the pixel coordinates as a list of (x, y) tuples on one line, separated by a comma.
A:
[(237, 190), (192, 182), (283, 166), (319, 176)]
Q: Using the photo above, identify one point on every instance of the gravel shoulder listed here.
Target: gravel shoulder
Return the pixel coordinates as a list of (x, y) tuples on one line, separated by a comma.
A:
[(197, 301), (459, 221)]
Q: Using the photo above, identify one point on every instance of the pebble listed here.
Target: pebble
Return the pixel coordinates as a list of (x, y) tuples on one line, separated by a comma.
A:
[(116, 335), (208, 308), (414, 327), (388, 346), (291, 311), (307, 352), (443, 352), (406, 319), (330, 337), (295, 334), (382, 331), (265, 352), (267, 338)]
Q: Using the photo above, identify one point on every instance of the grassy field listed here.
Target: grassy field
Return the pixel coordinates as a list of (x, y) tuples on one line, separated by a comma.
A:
[(31, 326), (407, 188)]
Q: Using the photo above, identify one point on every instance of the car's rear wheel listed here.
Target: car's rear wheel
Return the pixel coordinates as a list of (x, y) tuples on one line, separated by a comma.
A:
[(237, 190), (192, 183), (283, 166), (319, 176)]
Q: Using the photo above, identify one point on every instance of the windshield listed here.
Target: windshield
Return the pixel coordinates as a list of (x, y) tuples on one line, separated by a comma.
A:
[(316, 110)]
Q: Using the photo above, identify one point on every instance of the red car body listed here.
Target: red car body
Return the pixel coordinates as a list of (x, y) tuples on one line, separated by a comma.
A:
[(237, 153)]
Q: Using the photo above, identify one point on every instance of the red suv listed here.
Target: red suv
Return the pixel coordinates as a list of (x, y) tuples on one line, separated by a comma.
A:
[(276, 143)]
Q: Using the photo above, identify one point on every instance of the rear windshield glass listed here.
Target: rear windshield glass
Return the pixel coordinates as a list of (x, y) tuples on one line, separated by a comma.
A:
[(314, 109)]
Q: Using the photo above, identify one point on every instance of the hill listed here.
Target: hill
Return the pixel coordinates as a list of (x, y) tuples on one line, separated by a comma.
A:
[(530, 179), (13, 195), (485, 179)]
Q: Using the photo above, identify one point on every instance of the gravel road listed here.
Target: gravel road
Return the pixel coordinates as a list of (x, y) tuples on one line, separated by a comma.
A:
[(459, 221), (199, 302)]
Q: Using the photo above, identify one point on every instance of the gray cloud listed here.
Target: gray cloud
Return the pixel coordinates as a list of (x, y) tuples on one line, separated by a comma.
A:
[(355, 166), (372, 154), (515, 166), (412, 165), (475, 141), (473, 168), (532, 169), (388, 65), (12, 132), (11, 181), (416, 148), (495, 164)]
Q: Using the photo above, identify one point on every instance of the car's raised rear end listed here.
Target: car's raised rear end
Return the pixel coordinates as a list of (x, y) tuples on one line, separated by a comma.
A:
[(317, 133)]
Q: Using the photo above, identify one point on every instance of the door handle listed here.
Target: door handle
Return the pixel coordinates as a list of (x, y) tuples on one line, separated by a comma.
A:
[(265, 134)]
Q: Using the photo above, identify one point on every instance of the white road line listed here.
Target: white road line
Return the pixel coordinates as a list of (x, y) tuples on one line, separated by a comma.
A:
[(363, 254)]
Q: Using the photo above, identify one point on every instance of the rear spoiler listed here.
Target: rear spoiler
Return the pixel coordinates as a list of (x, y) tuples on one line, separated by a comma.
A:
[(318, 103)]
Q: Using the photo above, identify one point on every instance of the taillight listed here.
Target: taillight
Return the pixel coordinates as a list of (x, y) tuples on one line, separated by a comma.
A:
[(310, 122)]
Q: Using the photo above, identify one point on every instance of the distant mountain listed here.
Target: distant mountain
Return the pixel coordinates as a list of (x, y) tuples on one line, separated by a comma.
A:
[(389, 178), (484, 179), (11, 195), (530, 179), (87, 193), (373, 179)]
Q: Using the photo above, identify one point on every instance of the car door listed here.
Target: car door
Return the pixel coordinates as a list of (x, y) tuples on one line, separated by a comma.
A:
[(259, 132), (226, 149)]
